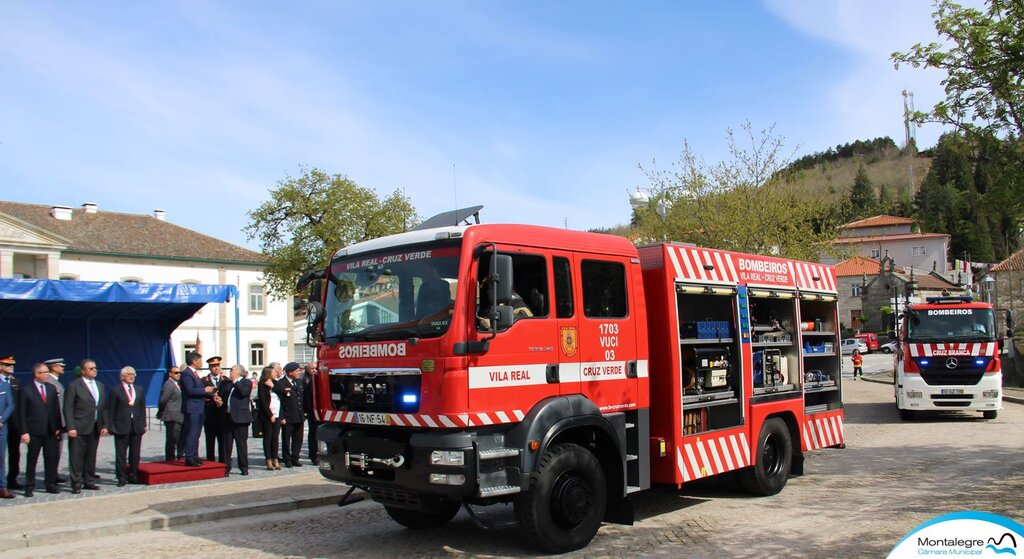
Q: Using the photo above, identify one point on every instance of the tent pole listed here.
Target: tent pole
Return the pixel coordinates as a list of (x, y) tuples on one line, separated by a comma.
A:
[(238, 341)]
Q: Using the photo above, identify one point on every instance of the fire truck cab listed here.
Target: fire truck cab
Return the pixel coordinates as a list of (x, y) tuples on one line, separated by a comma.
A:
[(562, 371), (947, 358)]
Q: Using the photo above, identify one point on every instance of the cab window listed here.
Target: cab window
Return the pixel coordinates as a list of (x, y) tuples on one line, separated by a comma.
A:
[(604, 289), (529, 288)]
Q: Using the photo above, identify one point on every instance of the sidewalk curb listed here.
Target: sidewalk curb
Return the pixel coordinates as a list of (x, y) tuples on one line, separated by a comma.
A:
[(1006, 397), (51, 536)]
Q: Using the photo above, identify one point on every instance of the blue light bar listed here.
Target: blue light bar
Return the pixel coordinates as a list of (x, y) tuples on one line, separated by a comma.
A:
[(979, 361), (924, 361), (409, 398)]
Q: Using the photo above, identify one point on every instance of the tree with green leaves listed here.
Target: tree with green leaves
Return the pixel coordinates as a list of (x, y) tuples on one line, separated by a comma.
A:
[(744, 203), (309, 217), (983, 58), (862, 195)]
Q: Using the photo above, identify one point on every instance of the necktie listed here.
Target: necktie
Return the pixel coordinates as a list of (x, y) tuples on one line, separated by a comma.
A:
[(131, 395), (42, 392), (232, 391)]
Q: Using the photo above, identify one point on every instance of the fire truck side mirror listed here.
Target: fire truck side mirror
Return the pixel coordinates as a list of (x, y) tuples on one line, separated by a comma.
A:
[(504, 317), (503, 283)]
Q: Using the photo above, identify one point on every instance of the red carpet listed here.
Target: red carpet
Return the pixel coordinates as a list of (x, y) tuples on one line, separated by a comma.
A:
[(152, 473)]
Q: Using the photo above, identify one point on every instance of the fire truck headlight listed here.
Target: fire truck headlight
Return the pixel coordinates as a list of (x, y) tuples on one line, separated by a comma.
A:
[(321, 447), (979, 362), (447, 458), (914, 394), (447, 479), (990, 394)]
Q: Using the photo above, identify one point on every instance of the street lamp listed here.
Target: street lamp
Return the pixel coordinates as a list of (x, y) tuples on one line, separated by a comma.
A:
[(987, 284), (640, 200)]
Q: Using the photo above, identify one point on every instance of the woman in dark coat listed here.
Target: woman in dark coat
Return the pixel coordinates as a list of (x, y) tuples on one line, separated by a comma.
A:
[(269, 407)]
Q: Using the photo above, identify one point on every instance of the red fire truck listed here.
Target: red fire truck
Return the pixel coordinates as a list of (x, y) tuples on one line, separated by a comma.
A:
[(562, 371)]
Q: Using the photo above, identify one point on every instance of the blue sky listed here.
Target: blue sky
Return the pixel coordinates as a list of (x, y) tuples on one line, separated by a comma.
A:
[(545, 109)]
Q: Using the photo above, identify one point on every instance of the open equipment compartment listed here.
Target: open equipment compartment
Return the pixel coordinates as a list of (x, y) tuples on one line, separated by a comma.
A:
[(819, 345), (709, 357), (776, 357)]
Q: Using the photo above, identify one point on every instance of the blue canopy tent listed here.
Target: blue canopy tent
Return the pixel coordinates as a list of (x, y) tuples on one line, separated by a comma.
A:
[(112, 323)]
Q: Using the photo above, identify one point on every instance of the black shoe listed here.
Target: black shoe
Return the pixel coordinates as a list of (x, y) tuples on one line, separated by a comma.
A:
[(62, 479), (75, 490), (121, 483), (52, 490), (135, 482), (29, 492), (14, 485), (287, 465), (245, 472), (297, 464), (193, 463), (91, 487)]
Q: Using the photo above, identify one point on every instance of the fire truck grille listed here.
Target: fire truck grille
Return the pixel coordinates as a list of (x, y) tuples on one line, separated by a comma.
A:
[(391, 496), (951, 377), (383, 394)]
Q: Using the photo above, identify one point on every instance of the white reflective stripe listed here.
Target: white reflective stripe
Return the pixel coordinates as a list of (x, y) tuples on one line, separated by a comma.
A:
[(927, 349), (446, 422), (686, 262), (823, 425), (396, 419), (814, 436), (836, 429), (839, 420), (704, 458), (701, 272), (723, 272), (716, 271), (736, 451), (411, 419), (642, 368), (800, 281), (792, 274), (503, 417), (429, 421), (807, 437), (568, 372), (681, 465), (746, 447), (726, 453), (694, 467), (466, 421), (913, 349), (732, 268), (675, 261), (714, 456), (519, 414), (486, 419)]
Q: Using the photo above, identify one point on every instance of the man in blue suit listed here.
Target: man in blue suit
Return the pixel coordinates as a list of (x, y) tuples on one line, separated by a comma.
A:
[(193, 403), (6, 411)]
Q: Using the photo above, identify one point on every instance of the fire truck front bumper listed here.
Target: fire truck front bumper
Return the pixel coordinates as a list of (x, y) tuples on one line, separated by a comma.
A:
[(419, 471), (986, 395)]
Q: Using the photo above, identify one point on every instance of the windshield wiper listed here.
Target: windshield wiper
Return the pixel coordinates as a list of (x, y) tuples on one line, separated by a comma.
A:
[(395, 332)]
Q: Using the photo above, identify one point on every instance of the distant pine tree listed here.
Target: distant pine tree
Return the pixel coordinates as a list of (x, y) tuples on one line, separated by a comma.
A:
[(862, 195)]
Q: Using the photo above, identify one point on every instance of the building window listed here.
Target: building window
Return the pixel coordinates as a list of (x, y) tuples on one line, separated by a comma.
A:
[(304, 353), (257, 299), (917, 251), (190, 281), (186, 348), (857, 289), (70, 277), (257, 354), (876, 253)]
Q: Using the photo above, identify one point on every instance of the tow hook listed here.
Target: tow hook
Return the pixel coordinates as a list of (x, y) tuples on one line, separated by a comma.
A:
[(365, 461)]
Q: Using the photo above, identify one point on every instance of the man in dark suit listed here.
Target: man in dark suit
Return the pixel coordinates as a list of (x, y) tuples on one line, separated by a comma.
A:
[(127, 416), (194, 395), (85, 415), (13, 427), (40, 417), (6, 411), (235, 392), (307, 407), (169, 411), (289, 390), (213, 423)]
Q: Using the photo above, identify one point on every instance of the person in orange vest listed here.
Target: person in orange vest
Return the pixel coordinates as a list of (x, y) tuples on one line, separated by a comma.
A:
[(858, 362)]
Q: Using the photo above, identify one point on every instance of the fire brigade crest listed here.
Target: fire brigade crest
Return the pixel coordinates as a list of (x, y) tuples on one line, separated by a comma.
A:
[(569, 341)]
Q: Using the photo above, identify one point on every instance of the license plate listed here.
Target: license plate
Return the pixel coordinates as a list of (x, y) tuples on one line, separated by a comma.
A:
[(373, 418), (951, 391)]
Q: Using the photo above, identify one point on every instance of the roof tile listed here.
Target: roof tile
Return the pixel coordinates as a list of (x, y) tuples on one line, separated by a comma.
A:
[(878, 221)]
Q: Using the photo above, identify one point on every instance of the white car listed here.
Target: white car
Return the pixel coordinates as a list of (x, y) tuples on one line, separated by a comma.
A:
[(850, 344), (887, 348)]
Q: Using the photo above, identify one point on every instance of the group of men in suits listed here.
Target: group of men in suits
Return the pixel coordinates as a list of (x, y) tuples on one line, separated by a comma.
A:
[(44, 411)]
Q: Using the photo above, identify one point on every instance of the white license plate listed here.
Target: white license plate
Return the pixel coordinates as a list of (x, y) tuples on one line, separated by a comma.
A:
[(951, 391), (373, 418)]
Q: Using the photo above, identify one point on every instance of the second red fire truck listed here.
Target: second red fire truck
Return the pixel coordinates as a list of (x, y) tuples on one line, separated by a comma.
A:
[(562, 371)]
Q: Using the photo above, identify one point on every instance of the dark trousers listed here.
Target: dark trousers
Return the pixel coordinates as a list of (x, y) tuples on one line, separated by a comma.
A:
[(291, 442), (82, 457), (13, 455), (126, 456), (311, 426), (271, 436), (236, 435), (174, 444), (192, 428), (213, 431), (48, 444)]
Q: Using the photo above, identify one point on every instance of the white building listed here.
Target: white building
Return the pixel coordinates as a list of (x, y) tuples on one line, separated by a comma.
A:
[(57, 242)]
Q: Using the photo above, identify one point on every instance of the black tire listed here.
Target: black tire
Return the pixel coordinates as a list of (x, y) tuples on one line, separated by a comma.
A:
[(908, 415), (774, 460), (991, 414), (563, 507), (424, 520), (886, 350)]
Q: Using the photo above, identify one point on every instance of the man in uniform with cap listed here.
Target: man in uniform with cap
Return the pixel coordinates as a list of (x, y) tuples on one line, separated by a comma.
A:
[(56, 367), (6, 412), (289, 390), (14, 427), (213, 425)]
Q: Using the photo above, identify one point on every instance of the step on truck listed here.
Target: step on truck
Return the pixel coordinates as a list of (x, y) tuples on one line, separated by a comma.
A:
[(947, 358), (562, 371)]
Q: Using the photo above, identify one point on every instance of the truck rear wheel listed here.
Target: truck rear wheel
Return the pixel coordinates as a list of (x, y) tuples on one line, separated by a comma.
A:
[(774, 460), (990, 414), (563, 507), (423, 520)]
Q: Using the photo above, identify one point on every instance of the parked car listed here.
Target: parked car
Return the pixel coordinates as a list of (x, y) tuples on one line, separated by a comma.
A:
[(887, 348), (870, 339), (850, 344)]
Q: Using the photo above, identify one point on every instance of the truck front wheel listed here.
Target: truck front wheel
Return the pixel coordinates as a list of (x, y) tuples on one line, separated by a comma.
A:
[(774, 459), (423, 520), (563, 507), (990, 414)]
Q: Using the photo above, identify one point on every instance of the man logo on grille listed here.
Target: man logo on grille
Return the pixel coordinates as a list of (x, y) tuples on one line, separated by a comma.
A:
[(951, 363)]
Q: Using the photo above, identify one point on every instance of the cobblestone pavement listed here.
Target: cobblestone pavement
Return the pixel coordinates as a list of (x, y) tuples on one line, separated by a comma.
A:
[(857, 502)]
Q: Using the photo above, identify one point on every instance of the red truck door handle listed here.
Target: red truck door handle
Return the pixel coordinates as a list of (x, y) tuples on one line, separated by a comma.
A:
[(631, 369), (551, 373)]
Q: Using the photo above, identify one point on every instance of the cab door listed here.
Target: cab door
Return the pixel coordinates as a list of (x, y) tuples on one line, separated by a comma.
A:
[(566, 312), (608, 353)]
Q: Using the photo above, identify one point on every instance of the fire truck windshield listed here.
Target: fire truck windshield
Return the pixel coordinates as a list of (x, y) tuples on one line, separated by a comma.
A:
[(951, 324), (397, 293)]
